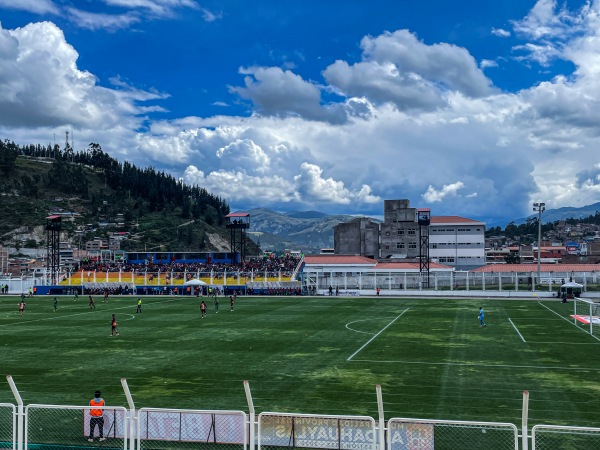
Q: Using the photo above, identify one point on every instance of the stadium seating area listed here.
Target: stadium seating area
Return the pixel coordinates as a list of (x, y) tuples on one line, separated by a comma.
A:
[(105, 273)]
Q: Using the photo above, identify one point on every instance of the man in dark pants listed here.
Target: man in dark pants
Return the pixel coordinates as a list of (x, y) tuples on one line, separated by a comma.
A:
[(97, 416)]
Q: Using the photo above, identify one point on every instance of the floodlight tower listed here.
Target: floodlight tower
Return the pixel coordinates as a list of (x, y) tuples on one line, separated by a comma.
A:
[(424, 219), (238, 223), (539, 207)]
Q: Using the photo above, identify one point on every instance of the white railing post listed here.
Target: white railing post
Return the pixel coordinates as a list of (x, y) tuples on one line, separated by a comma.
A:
[(381, 418), (251, 415), (132, 415), (20, 413), (524, 420)]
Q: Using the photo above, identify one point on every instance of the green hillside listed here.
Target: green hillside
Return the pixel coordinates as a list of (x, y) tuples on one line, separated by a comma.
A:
[(105, 196)]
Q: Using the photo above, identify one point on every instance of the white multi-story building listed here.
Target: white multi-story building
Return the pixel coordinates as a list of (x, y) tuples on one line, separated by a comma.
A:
[(457, 241)]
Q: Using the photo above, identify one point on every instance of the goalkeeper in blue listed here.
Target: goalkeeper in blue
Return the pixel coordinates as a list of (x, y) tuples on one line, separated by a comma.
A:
[(481, 317)]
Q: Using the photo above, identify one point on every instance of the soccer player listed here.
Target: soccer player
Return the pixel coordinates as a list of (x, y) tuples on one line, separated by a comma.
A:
[(203, 309), (216, 304), (139, 306), (92, 304), (231, 300), (96, 416), (76, 296), (113, 326), (481, 317), (55, 304), (21, 307), (105, 299)]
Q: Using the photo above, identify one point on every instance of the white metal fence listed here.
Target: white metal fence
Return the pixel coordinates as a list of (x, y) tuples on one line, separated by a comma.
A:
[(276, 430), (71, 426), (448, 281), (186, 429), (8, 425), (408, 434), (64, 427), (547, 437)]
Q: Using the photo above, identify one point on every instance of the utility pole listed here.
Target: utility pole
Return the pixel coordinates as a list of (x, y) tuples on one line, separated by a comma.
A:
[(539, 207)]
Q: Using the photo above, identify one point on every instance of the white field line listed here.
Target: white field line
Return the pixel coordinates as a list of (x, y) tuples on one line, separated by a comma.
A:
[(380, 331), (541, 304), (562, 343), (27, 322), (509, 366), (358, 331), (517, 330)]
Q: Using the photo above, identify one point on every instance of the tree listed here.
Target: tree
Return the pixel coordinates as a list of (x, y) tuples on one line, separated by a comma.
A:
[(512, 258)]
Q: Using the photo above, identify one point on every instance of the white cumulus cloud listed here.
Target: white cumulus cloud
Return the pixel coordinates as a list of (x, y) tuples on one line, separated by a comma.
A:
[(434, 195)]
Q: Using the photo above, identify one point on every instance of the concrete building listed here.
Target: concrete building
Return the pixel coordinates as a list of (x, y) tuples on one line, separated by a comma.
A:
[(453, 241), (457, 241), (357, 237), (399, 234)]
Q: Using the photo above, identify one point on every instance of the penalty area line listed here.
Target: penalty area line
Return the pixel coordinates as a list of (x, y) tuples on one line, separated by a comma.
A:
[(380, 331), (517, 330)]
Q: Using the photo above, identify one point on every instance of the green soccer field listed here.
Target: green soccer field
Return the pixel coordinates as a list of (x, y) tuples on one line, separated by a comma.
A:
[(309, 355)]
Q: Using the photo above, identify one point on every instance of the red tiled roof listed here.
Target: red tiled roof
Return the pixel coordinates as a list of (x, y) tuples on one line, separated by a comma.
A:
[(544, 247), (338, 259), (543, 268), (452, 219), (408, 266)]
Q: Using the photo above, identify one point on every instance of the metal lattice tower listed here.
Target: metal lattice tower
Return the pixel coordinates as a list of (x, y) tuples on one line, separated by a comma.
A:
[(424, 219), (53, 229)]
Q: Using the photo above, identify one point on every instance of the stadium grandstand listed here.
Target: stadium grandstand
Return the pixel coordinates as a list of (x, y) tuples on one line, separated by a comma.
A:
[(171, 273)]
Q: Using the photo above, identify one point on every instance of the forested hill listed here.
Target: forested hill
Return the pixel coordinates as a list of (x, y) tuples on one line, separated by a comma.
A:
[(36, 180)]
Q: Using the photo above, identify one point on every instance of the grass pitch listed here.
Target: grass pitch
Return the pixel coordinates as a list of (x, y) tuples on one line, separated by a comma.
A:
[(320, 355)]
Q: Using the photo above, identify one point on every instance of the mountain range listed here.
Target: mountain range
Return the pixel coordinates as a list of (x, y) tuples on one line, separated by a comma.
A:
[(567, 212), (307, 231)]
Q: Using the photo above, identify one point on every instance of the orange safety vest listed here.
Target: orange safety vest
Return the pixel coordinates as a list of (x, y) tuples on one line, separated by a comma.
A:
[(96, 412)]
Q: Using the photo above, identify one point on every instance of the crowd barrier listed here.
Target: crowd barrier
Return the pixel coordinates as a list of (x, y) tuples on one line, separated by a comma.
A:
[(67, 427)]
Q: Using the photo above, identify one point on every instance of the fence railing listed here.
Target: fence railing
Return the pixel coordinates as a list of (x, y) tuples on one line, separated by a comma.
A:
[(276, 430), (547, 437), (549, 282), (406, 434), (8, 425), (182, 429), (69, 427), (72, 426)]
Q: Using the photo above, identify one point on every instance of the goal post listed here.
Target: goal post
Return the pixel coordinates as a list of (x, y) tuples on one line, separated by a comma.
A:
[(586, 312)]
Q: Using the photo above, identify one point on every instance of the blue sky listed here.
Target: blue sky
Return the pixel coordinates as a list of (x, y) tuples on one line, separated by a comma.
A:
[(477, 110)]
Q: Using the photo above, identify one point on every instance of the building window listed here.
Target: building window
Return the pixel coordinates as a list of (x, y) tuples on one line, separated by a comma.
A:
[(434, 245), (399, 245), (411, 231), (400, 231), (412, 245)]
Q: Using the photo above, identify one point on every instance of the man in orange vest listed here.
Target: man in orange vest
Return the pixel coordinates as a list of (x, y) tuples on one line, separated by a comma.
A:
[(97, 416)]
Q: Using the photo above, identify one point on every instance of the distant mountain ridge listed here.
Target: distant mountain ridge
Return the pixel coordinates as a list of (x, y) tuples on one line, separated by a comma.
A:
[(310, 231), (564, 213)]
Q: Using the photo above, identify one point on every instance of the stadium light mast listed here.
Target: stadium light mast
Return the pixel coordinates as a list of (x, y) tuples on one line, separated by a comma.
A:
[(539, 207)]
